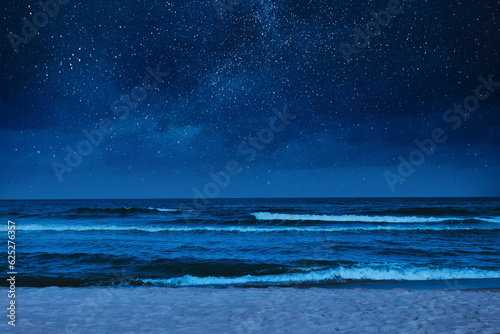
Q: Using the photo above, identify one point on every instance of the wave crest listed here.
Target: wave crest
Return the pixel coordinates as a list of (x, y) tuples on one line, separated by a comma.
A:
[(360, 218), (370, 272), (122, 210)]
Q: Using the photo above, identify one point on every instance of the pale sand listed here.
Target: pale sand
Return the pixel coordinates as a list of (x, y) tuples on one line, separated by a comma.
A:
[(235, 310)]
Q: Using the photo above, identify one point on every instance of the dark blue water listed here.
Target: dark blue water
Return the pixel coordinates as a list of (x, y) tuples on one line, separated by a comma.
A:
[(257, 242)]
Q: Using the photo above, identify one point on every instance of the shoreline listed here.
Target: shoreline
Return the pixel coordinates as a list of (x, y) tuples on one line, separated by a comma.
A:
[(448, 284), (253, 310)]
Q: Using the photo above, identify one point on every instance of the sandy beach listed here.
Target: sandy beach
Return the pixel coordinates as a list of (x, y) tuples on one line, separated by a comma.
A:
[(248, 310)]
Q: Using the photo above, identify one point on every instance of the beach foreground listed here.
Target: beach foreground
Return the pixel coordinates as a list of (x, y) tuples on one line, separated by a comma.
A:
[(253, 310)]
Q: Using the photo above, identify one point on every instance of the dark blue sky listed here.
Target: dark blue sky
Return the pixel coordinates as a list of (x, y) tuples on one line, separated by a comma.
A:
[(192, 88)]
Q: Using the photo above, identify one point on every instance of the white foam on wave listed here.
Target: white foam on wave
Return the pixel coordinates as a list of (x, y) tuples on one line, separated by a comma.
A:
[(243, 229), (491, 220), (360, 218), (162, 210), (373, 272)]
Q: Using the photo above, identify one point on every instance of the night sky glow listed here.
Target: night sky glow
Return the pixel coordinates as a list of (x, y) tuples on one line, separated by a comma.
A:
[(249, 98)]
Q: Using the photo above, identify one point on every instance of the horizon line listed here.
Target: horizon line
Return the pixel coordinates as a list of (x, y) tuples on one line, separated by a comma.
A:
[(224, 198)]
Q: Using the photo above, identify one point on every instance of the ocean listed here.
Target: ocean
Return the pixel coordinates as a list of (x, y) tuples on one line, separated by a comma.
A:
[(436, 243)]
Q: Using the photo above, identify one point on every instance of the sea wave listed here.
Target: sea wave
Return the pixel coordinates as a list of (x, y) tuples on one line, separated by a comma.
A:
[(247, 229), (122, 210), (370, 272), (164, 210), (361, 218), (341, 274), (430, 211)]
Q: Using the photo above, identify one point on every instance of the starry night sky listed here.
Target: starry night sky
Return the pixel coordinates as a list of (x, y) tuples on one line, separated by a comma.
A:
[(228, 69)]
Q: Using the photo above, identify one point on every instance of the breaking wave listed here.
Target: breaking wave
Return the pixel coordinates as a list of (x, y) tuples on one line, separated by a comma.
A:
[(367, 219), (369, 272)]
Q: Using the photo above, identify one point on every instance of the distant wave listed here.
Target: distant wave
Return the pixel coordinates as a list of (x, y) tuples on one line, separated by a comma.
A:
[(163, 210), (359, 218), (369, 272), (123, 210), (245, 229), (425, 211), (491, 220)]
